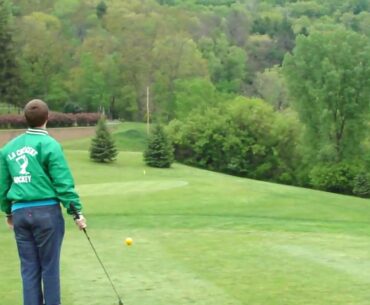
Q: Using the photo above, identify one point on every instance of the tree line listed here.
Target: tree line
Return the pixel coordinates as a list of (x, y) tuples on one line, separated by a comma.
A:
[(275, 89)]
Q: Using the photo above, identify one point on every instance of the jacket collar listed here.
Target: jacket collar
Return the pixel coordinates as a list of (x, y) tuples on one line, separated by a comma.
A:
[(38, 131)]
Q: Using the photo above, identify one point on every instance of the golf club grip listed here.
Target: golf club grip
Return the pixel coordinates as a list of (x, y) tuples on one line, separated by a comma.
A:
[(76, 215), (74, 211)]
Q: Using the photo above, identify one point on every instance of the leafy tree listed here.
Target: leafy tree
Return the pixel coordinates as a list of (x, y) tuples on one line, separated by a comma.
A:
[(363, 20), (359, 23), (63, 8), (328, 76), (118, 100), (126, 108), (43, 57), (268, 22), (238, 24), (192, 94), (9, 72), (227, 63), (359, 6), (103, 148), (175, 58), (306, 8), (234, 70), (168, 2), (270, 84), (163, 45), (78, 17), (159, 152), (87, 84), (214, 51), (261, 49), (139, 31)]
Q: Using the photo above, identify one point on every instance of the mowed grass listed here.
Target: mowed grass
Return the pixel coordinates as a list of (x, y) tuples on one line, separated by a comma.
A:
[(128, 136), (204, 238)]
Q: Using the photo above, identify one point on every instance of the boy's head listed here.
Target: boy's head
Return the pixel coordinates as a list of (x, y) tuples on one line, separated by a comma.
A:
[(36, 113)]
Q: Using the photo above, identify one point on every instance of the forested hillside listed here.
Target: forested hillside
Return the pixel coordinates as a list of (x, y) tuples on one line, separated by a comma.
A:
[(106, 53), (302, 67)]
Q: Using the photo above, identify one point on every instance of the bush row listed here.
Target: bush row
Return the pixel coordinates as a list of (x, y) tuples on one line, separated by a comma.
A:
[(56, 119), (343, 177), (246, 138)]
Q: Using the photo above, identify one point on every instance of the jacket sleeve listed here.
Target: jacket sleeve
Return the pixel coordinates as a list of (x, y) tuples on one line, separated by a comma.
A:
[(62, 179), (5, 183)]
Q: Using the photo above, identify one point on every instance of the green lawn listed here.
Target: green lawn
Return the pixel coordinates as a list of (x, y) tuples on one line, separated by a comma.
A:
[(128, 136), (8, 109), (204, 238)]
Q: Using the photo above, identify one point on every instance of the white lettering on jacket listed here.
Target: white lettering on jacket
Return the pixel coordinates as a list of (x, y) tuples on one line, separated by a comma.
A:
[(22, 179), (20, 157), (22, 151)]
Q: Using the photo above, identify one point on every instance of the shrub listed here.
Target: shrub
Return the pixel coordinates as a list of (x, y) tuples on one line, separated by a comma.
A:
[(87, 119), (12, 121), (71, 107), (362, 185), (245, 138), (103, 148), (337, 177), (56, 119), (159, 152)]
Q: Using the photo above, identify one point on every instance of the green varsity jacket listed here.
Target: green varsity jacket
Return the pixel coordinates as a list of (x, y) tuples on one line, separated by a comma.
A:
[(33, 167)]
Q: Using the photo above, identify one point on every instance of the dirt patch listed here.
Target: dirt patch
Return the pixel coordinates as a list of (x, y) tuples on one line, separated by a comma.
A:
[(60, 134)]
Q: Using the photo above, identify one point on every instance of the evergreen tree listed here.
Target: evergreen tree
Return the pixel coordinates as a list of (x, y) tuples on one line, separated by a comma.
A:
[(159, 152), (103, 148), (101, 9), (9, 74), (362, 185)]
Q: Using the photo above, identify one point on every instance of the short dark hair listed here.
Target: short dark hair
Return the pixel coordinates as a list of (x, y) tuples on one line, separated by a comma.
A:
[(36, 113)]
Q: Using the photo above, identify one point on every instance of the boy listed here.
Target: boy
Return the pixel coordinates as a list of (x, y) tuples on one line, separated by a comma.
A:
[(34, 180)]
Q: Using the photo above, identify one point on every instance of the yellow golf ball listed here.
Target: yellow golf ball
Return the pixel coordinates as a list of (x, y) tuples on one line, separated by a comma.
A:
[(128, 241)]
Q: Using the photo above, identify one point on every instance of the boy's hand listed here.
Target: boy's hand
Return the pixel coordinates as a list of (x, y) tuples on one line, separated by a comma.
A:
[(81, 222), (9, 222)]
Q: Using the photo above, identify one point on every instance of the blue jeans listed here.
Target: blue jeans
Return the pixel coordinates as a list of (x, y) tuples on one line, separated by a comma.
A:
[(39, 233)]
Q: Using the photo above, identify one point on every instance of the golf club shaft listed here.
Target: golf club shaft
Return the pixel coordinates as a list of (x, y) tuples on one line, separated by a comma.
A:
[(101, 263), (77, 216)]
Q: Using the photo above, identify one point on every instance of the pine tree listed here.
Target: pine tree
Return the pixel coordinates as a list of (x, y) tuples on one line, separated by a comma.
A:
[(103, 148), (159, 152), (101, 9), (9, 72)]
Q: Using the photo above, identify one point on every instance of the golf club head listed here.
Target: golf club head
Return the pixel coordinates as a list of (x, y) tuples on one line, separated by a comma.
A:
[(120, 302)]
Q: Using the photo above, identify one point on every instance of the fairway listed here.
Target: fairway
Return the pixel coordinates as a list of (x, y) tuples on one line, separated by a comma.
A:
[(118, 188), (237, 146), (204, 238)]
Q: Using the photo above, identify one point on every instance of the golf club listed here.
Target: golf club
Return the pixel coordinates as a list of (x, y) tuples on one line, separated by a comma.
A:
[(77, 216)]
